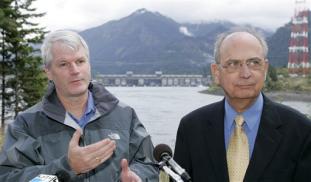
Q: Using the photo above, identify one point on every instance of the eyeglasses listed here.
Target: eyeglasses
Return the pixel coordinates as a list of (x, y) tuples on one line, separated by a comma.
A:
[(232, 66)]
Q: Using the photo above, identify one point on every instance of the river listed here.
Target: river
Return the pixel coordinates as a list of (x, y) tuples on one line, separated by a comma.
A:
[(161, 108)]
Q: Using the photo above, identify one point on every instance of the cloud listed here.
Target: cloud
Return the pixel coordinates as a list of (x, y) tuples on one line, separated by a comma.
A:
[(81, 14), (185, 31)]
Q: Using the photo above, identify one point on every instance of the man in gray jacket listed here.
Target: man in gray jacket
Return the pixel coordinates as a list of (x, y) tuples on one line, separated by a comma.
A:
[(79, 129)]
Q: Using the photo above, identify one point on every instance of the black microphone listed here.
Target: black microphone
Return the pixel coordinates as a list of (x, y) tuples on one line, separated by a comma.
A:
[(163, 153), (60, 176)]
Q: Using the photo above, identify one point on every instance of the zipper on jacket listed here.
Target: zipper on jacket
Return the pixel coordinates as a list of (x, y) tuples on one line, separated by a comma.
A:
[(82, 143)]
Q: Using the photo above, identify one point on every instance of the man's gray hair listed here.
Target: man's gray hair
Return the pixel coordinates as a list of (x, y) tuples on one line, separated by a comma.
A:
[(223, 36), (67, 37)]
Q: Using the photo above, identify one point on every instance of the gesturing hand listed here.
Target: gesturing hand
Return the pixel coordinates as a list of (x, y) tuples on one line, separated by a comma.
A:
[(126, 174), (84, 159)]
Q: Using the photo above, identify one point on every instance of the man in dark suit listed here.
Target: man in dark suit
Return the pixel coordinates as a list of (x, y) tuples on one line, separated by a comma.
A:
[(277, 142)]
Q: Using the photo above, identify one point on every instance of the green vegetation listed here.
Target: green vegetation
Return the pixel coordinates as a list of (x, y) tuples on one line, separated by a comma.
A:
[(279, 80), (21, 77)]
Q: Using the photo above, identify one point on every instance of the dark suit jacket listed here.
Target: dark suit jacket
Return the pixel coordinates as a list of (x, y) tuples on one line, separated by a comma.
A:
[(282, 150)]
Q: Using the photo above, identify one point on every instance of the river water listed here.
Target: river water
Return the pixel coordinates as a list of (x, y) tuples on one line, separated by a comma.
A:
[(161, 108)]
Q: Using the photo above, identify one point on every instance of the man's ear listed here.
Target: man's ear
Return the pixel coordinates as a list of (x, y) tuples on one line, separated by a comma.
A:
[(267, 65), (266, 68), (215, 73), (48, 73)]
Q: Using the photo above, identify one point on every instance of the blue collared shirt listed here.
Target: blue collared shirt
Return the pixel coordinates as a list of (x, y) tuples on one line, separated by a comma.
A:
[(252, 119), (88, 113)]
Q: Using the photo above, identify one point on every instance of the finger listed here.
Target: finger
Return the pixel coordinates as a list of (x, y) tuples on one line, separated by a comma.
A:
[(92, 160), (100, 160), (105, 152), (127, 174), (96, 146), (124, 166), (98, 149), (125, 177), (75, 138), (95, 154)]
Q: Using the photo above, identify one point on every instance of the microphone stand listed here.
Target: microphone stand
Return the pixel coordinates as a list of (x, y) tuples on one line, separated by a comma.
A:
[(168, 171), (163, 166)]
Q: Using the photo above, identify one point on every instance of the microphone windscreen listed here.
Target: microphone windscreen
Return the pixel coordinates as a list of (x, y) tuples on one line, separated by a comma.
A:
[(160, 150), (62, 176)]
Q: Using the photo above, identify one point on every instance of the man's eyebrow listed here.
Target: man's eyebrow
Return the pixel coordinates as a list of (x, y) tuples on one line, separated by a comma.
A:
[(82, 57), (231, 60), (255, 58)]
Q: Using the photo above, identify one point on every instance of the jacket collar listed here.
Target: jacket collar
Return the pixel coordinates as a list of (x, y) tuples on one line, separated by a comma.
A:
[(104, 101)]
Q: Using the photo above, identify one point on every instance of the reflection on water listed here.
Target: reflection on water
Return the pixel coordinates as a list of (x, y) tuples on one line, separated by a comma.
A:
[(161, 108)]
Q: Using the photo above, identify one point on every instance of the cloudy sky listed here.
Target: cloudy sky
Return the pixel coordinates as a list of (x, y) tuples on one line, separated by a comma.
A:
[(83, 14)]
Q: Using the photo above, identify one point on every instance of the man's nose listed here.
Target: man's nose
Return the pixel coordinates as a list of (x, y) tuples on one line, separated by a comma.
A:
[(245, 71), (74, 68)]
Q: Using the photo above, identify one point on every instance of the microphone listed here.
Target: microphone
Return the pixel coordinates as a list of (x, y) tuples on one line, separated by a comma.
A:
[(163, 153), (44, 178), (60, 176)]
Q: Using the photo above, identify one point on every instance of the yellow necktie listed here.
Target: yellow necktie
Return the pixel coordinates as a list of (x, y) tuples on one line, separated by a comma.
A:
[(238, 152)]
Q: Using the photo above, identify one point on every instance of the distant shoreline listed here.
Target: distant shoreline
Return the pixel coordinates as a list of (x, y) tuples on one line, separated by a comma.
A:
[(289, 96), (276, 95)]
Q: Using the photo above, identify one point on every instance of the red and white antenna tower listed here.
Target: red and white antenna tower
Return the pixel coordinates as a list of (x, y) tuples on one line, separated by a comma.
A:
[(298, 58)]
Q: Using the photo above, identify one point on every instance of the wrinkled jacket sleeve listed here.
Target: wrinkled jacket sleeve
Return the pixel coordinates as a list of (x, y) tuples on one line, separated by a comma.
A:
[(141, 149), (20, 158)]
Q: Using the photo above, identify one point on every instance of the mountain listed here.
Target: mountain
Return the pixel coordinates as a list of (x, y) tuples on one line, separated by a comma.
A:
[(145, 42), (134, 43), (278, 46)]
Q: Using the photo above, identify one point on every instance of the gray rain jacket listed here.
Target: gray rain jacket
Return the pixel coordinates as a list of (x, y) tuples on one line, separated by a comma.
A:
[(37, 141)]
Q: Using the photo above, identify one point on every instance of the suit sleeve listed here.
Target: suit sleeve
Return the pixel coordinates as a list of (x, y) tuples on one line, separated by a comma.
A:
[(303, 170), (141, 151), (182, 148)]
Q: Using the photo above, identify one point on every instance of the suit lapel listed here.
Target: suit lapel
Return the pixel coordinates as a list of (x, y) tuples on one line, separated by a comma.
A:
[(267, 141), (214, 138)]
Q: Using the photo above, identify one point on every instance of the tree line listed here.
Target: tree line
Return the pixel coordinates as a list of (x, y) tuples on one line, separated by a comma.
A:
[(22, 79)]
